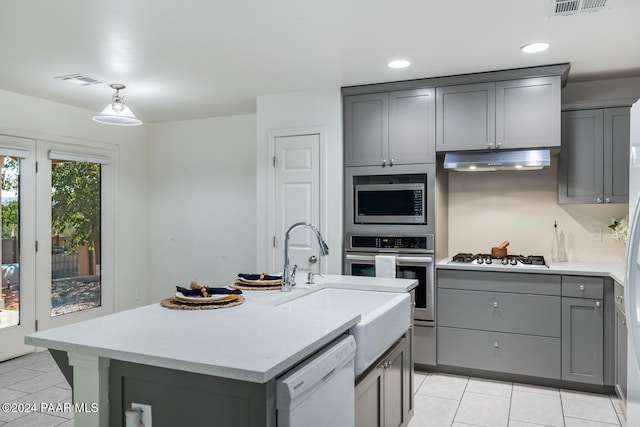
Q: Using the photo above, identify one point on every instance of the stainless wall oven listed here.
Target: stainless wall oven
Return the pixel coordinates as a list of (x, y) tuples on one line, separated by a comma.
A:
[(414, 260)]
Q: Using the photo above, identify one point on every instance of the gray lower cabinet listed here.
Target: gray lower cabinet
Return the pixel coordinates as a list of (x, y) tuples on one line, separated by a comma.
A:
[(390, 128), (511, 114), (594, 161), (621, 344), (582, 340), (501, 322), (384, 393), (539, 325)]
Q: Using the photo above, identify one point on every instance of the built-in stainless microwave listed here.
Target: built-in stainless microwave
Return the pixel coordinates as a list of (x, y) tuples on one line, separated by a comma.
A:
[(394, 203)]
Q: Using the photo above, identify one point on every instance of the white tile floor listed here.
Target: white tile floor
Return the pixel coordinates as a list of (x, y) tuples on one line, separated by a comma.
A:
[(440, 400), (443, 400), (34, 379)]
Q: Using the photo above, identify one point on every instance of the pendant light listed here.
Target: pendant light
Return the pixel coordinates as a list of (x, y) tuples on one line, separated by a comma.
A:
[(117, 113)]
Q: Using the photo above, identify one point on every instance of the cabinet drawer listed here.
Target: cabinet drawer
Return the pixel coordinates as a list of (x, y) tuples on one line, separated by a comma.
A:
[(519, 283), (500, 312), (499, 352), (618, 291), (582, 287)]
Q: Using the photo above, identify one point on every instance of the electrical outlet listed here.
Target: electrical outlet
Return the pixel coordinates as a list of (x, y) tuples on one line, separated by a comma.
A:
[(596, 233), (146, 413)]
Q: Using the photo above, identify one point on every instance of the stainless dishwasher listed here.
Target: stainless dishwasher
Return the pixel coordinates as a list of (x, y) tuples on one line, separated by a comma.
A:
[(321, 391)]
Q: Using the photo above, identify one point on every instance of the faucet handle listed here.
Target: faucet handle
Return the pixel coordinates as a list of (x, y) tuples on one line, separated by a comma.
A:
[(292, 277)]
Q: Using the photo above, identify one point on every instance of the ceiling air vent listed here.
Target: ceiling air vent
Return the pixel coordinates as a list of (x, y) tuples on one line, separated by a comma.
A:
[(79, 79), (570, 7)]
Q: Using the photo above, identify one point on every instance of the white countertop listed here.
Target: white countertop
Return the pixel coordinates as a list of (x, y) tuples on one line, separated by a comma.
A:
[(614, 270), (253, 342)]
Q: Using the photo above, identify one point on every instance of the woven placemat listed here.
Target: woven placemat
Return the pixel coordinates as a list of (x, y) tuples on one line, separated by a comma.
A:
[(174, 304)]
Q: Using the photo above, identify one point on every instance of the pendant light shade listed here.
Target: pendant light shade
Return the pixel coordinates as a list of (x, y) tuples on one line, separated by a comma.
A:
[(117, 113)]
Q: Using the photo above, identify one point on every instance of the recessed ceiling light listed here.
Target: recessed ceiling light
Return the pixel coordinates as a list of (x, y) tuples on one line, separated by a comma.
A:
[(535, 47), (399, 63)]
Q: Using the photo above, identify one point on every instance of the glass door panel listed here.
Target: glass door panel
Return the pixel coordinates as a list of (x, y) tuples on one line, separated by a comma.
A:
[(17, 280), (76, 182), (75, 236)]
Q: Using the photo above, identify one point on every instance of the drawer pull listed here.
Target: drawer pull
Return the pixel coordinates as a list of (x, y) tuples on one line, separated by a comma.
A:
[(495, 344), (597, 303), (582, 287), (495, 304), (619, 296), (624, 322)]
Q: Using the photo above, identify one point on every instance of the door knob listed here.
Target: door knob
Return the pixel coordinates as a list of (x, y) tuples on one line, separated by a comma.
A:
[(313, 259)]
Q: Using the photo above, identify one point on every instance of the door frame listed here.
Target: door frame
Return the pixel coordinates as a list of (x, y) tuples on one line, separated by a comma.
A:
[(90, 151), (271, 181), (12, 337)]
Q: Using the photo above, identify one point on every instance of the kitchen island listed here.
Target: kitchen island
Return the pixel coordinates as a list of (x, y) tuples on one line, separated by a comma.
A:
[(198, 354)]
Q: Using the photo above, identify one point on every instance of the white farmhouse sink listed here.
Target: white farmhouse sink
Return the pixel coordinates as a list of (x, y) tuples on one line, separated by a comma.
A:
[(385, 317)]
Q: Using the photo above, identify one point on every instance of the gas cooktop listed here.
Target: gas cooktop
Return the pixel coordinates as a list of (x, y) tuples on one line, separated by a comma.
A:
[(535, 261)]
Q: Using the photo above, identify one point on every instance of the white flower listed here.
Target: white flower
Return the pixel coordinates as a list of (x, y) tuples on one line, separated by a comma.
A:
[(620, 229)]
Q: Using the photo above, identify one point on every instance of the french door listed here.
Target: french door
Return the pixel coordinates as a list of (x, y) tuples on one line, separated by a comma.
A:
[(57, 257)]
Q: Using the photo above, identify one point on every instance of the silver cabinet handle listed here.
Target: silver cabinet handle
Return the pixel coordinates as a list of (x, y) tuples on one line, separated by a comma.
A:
[(384, 163), (598, 304), (499, 145), (313, 259), (495, 344), (624, 322), (599, 200), (492, 145), (619, 296), (607, 200), (495, 304), (582, 287), (391, 162)]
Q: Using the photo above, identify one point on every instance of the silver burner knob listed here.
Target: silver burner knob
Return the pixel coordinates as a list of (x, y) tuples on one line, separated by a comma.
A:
[(480, 261), (513, 261), (488, 260), (504, 261)]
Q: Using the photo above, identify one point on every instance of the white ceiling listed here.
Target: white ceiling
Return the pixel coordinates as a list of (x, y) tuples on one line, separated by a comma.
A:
[(202, 58)]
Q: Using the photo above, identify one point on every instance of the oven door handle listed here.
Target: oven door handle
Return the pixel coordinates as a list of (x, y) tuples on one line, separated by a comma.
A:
[(414, 260), (361, 257)]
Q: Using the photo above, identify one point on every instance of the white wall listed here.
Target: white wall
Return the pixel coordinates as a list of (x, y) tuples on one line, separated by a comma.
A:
[(40, 119), (315, 109), (202, 202)]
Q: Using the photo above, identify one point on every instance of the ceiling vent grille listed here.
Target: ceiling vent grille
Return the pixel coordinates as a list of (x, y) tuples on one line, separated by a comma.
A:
[(79, 79), (570, 7)]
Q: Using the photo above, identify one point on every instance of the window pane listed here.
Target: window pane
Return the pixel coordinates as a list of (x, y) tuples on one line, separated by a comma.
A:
[(10, 200), (75, 236)]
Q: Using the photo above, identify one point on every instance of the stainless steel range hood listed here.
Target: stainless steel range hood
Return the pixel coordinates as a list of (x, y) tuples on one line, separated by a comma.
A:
[(472, 161)]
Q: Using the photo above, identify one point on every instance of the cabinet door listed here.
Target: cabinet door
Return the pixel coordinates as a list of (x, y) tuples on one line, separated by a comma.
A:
[(369, 399), (528, 113), (395, 387), (466, 117), (412, 129), (366, 129), (621, 353), (616, 155), (582, 340), (580, 168)]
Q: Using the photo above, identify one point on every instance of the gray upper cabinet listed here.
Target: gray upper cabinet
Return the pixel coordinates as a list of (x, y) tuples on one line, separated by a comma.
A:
[(594, 160), (465, 117), (386, 129), (511, 114)]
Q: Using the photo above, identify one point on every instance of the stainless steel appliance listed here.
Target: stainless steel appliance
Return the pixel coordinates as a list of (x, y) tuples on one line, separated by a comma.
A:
[(508, 261), (398, 200), (414, 260), (402, 203)]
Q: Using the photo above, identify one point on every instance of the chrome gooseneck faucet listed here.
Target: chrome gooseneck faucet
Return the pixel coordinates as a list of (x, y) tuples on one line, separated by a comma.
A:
[(324, 250)]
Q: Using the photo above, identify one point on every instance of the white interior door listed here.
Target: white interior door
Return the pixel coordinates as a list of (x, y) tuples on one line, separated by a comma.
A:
[(75, 233), (18, 287), (297, 199)]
